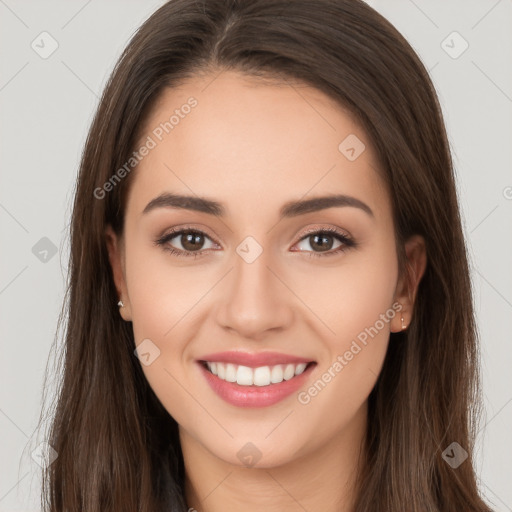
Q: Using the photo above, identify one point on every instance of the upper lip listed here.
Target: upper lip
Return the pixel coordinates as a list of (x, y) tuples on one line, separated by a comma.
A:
[(254, 360)]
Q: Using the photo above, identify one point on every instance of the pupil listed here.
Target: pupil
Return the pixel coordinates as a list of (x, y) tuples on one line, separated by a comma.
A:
[(192, 241), (322, 239)]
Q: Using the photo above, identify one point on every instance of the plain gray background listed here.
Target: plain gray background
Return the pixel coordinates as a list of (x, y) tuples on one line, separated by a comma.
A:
[(46, 108)]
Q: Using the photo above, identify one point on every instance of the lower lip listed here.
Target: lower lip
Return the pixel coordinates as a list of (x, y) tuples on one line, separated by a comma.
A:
[(255, 396)]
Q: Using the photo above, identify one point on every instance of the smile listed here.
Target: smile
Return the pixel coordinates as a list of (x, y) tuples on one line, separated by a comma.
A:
[(260, 376), (254, 380)]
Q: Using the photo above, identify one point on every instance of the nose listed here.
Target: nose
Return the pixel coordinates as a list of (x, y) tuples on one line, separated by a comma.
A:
[(255, 298)]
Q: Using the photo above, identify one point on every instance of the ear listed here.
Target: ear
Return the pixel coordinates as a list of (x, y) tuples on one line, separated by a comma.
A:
[(407, 286), (115, 248)]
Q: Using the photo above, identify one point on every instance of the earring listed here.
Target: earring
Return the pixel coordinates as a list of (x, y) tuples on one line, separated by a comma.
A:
[(403, 325), (120, 304)]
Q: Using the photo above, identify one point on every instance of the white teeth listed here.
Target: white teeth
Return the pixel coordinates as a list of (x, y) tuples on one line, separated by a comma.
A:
[(261, 376), (276, 375), (230, 372), (289, 371), (244, 376), (300, 368), (221, 371)]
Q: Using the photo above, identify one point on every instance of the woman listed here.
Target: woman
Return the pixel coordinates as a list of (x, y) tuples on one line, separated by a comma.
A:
[(318, 350)]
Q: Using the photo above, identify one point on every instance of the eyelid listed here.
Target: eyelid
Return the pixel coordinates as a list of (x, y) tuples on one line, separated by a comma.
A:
[(329, 229), (179, 229)]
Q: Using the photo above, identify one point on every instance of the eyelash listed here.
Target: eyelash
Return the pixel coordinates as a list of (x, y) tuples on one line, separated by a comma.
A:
[(347, 242)]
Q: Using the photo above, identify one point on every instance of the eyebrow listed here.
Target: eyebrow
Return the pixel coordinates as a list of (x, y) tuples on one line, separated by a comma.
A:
[(288, 210)]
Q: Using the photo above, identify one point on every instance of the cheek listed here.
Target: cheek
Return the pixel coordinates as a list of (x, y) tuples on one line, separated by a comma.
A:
[(350, 295), (165, 299), (367, 314), (162, 293), (356, 304)]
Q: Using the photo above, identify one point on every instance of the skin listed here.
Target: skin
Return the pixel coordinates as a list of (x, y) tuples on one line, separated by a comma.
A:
[(254, 146)]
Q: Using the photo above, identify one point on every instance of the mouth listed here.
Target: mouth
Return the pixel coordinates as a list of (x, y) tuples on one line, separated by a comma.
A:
[(255, 384), (259, 376)]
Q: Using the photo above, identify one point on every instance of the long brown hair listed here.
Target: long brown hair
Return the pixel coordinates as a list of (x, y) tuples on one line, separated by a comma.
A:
[(118, 448)]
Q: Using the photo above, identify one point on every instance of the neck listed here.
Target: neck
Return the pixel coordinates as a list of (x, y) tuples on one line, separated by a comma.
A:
[(323, 479)]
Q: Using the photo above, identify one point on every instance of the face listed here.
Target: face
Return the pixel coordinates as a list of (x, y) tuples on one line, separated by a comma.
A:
[(295, 304)]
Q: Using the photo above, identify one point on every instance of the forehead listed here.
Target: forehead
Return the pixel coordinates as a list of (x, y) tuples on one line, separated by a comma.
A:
[(241, 141)]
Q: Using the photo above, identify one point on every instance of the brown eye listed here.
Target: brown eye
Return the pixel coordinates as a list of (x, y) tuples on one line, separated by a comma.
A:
[(192, 240), (322, 241), (185, 242)]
